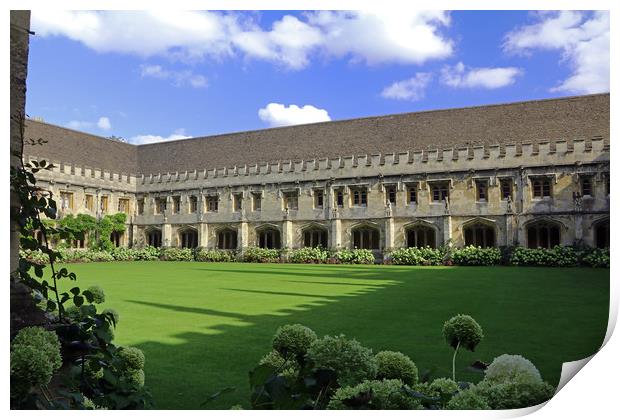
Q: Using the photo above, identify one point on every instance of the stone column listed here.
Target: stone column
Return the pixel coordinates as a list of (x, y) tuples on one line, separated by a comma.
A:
[(166, 235), (447, 229), (578, 229), (287, 234), (389, 233), (203, 235), (134, 235), (242, 236), (335, 234)]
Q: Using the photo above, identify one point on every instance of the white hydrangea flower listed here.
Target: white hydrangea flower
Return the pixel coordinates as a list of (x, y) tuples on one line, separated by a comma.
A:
[(512, 368)]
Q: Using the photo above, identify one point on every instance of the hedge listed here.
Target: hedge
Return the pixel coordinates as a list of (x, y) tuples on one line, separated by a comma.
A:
[(559, 256)]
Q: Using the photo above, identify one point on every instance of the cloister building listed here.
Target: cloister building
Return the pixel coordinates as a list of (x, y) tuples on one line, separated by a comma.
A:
[(533, 173)]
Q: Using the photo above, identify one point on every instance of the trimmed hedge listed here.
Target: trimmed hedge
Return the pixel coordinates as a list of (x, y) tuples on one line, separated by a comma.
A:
[(354, 256), (559, 256), (309, 256), (416, 256)]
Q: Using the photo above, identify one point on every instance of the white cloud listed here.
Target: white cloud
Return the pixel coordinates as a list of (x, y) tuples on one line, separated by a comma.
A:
[(400, 36), (583, 39), (178, 78), (79, 125), (151, 138), (104, 123), (459, 76), (276, 114), (410, 89), (289, 42), (390, 35)]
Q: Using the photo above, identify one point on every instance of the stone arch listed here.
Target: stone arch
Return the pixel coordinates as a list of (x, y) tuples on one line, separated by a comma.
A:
[(153, 236), (479, 231), (314, 234), (187, 237), (226, 237), (601, 229), (366, 235), (543, 232), (420, 233), (268, 236)]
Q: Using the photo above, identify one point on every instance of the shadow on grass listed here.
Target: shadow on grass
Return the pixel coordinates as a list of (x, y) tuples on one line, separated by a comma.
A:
[(537, 313)]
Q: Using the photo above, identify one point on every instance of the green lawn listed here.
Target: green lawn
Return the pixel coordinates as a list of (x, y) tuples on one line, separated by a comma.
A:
[(203, 326)]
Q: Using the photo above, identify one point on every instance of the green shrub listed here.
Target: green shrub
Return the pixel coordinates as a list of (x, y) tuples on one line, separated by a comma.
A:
[(558, 256), (443, 387), (288, 368), (261, 255), (215, 255), (509, 395), (355, 256), (512, 368), (148, 253), (96, 293), (471, 255), (416, 256), (293, 339), (395, 365), (315, 255), (386, 394), (124, 254), (37, 257), (135, 377), (30, 366), (596, 257), (113, 313), (177, 254), (46, 341), (351, 361), (463, 329), (468, 400), (132, 358)]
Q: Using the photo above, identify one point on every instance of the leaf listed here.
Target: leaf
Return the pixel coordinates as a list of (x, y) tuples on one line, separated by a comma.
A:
[(260, 374), (75, 291), (78, 300), (51, 306)]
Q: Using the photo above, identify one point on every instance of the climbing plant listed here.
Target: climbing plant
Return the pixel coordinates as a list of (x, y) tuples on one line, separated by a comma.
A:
[(85, 333)]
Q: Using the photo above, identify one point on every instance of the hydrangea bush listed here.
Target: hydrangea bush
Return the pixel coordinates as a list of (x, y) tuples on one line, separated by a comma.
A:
[(416, 256), (261, 255), (354, 256), (293, 339), (395, 365), (308, 255), (383, 394), (512, 368), (351, 361), (472, 255)]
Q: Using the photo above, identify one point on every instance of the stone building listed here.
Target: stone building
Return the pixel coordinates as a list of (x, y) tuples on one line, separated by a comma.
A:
[(533, 173)]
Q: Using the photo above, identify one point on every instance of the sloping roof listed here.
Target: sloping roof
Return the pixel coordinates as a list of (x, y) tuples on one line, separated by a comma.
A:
[(520, 122), (70, 146)]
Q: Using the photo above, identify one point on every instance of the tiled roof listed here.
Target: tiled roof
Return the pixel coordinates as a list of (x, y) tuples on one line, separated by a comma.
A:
[(563, 118)]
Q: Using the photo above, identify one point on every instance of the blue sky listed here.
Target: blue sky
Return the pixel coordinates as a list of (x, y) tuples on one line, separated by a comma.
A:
[(150, 77)]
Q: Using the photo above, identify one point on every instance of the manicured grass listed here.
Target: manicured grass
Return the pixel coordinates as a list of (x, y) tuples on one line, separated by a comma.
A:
[(203, 326)]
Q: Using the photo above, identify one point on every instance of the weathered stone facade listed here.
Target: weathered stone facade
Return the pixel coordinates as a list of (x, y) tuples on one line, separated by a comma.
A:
[(542, 182)]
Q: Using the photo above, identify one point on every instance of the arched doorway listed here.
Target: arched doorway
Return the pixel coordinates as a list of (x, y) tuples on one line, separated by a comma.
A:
[(420, 236), (188, 238), (365, 237), (268, 237), (479, 234), (543, 234), (153, 238), (315, 236), (227, 239)]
